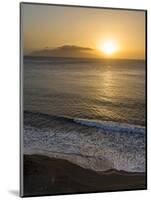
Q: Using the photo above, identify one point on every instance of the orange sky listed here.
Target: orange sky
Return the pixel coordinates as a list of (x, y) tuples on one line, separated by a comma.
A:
[(54, 26)]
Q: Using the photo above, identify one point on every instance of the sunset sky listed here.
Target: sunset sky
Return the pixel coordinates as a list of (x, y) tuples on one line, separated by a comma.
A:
[(109, 33)]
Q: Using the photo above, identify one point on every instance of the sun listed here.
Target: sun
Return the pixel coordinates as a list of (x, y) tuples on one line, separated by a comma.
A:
[(108, 47)]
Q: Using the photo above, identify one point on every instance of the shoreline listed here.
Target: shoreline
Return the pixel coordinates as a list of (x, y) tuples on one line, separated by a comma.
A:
[(96, 148), (44, 175)]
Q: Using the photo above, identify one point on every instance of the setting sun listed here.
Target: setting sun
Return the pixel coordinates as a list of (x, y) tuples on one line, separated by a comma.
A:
[(109, 47)]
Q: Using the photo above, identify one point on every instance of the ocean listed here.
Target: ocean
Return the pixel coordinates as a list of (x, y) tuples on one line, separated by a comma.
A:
[(88, 111)]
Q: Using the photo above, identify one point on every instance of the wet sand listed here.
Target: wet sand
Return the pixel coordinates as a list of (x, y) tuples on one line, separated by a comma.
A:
[(51, 176)]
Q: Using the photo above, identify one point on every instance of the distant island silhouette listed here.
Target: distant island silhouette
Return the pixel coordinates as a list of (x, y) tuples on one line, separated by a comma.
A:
[(67, 51)]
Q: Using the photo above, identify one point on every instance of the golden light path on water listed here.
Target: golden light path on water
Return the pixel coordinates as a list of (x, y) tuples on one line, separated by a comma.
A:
[(107, 82)]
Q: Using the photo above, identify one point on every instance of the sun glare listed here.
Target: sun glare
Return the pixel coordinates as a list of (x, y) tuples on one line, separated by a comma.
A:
[(108, 47)]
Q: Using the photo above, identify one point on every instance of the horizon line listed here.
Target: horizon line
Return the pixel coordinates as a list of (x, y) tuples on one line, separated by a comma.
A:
[(101, 58)]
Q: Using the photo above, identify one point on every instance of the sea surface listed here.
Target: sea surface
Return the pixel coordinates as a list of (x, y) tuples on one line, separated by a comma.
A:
[(88, 111)]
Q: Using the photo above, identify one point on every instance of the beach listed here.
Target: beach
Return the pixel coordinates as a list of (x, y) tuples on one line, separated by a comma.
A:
[(64, 156), (44, 175)]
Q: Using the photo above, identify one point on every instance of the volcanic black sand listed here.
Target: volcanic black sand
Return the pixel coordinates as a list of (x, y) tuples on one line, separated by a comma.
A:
[(47, 176)]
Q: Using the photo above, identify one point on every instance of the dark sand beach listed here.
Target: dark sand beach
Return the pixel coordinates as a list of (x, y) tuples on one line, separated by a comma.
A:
[(44, 175)]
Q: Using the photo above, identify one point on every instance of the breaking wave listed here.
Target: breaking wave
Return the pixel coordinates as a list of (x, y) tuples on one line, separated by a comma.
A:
[(96, 145)]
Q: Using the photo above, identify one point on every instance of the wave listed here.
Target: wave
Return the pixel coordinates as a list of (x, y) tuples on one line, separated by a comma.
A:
[(112, 126), (96, 145), (104, 125)]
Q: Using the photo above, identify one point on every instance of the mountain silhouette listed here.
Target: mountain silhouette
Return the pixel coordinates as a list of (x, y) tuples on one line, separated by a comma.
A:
[(66, 51)]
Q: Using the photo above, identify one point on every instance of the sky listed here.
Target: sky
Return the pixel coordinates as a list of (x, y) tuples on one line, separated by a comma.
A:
[(121, 32)]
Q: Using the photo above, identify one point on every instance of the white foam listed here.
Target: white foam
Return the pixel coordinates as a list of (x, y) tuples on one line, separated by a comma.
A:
[(94, 148)]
